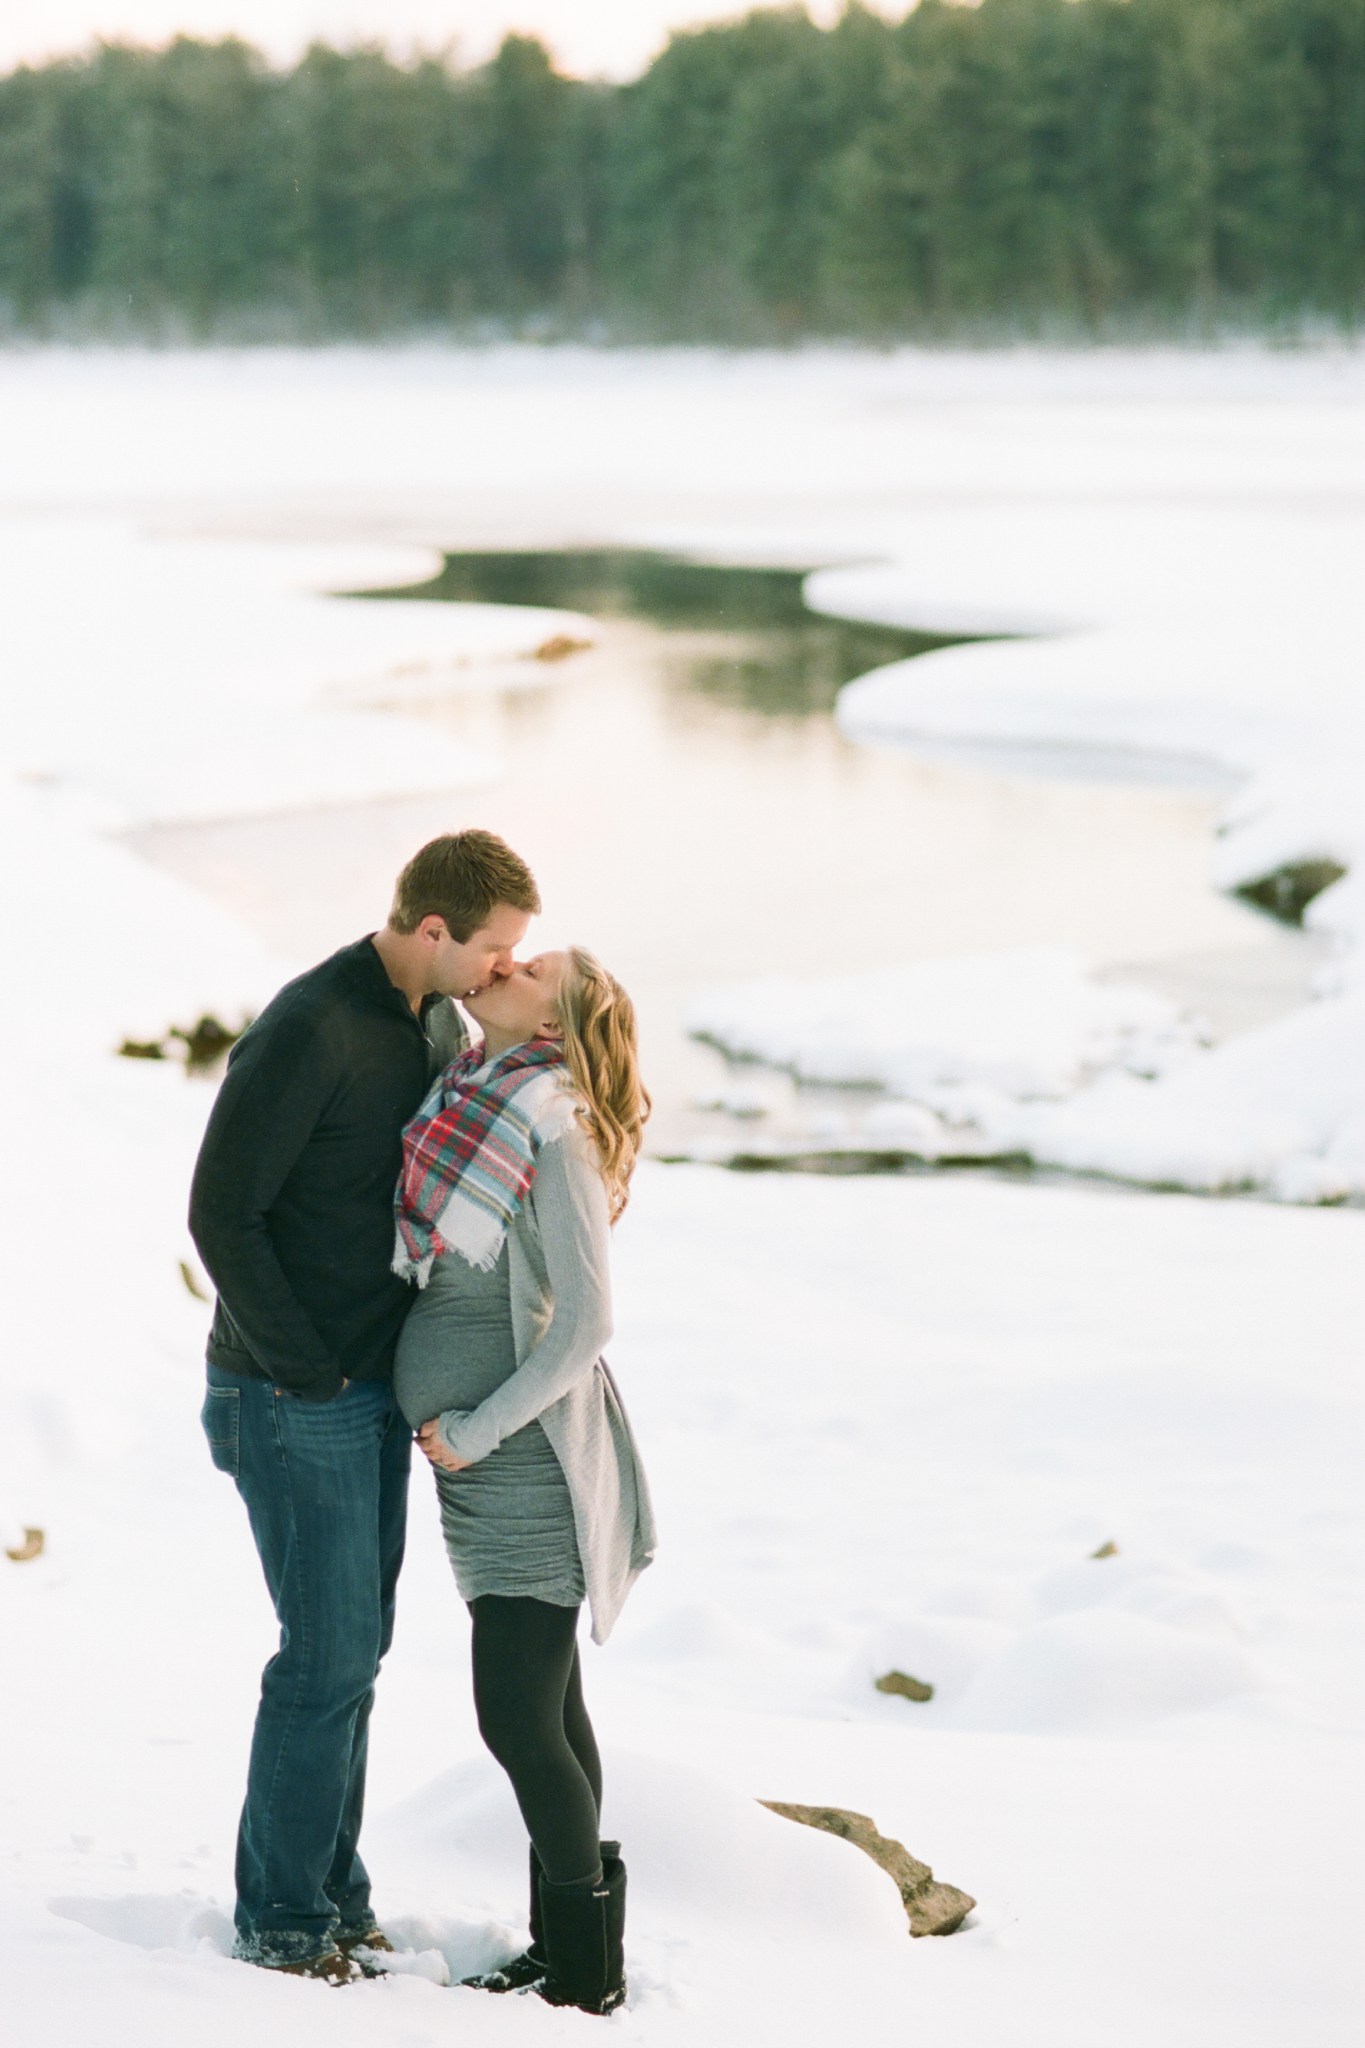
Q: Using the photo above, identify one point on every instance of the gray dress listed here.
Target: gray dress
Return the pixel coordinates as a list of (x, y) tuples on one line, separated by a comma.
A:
[(455, 1362), (508, 1520)]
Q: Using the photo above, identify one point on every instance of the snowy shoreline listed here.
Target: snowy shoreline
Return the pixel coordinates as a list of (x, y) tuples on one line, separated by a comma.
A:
[(1281, 1110)]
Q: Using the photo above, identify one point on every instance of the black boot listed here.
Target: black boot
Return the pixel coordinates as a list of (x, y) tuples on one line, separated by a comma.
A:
[(583, 1929), (530, 1966)]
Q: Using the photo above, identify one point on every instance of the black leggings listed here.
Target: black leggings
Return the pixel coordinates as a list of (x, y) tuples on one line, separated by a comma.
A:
[(528, 1694)]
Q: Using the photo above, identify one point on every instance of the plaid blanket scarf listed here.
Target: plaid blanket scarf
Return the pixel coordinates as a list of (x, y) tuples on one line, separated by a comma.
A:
[(469, 1154)]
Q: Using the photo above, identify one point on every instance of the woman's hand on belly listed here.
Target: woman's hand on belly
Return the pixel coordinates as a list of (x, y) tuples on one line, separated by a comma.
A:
[(431, 1443)]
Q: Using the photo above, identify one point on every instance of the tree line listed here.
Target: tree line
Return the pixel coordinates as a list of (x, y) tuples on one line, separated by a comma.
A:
[(1017, 167)]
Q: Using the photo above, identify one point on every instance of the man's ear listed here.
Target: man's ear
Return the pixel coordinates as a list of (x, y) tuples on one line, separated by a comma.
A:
[(432, 928)]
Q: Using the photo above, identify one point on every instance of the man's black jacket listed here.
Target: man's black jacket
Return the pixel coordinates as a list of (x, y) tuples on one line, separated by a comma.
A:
[(292, 1202)]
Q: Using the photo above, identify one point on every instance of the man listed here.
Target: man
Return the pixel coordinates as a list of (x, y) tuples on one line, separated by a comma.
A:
[(292, 1211)]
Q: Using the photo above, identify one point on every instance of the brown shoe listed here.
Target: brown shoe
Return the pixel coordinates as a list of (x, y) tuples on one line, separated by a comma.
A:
[(331, 1967), (359, 1947)]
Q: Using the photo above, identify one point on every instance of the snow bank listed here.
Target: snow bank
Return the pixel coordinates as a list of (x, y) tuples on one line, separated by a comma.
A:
[(1103, 1646), (1177, 643), (1233, 646), (102, 948), (1100, 1670), (177, 678), (1195, 630), (1027, 1056), (1032, 1022), (1290, 815), (797, 1892), (1280, 1109)]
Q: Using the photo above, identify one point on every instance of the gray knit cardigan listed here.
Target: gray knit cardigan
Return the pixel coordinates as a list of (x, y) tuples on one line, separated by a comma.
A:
[(558, 1252)]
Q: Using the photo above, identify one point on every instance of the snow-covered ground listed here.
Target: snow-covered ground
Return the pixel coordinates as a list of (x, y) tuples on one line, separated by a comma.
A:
[(889, 1422), (888, 1428)]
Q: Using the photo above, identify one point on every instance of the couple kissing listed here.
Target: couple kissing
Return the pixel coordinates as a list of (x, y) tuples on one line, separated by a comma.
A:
[(408, 1228)]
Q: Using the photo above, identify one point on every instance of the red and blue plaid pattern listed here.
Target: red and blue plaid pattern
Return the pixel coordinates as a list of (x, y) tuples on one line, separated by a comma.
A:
[(473, 1141)]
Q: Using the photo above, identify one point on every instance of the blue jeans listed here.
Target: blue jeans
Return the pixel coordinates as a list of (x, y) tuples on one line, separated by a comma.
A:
[(325, 1486)]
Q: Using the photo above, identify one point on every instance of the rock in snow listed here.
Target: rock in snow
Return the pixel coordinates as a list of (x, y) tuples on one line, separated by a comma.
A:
[(902, 1686)]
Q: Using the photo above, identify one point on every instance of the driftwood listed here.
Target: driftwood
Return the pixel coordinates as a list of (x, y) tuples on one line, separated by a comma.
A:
[(930, 1907)]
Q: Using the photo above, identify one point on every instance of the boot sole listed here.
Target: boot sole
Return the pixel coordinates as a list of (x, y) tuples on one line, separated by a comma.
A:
[(601, 2008)]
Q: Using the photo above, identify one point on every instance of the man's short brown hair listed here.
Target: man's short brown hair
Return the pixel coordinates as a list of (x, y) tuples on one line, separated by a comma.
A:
[(462, 877)]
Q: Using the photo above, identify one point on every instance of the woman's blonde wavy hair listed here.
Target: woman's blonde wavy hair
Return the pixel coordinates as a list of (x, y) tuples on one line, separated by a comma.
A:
[(602, 1056)]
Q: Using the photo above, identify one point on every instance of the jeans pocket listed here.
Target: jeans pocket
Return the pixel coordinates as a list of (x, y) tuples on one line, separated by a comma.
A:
[(220, 1416)]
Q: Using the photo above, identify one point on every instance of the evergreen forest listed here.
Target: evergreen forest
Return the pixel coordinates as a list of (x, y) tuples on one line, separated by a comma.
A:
[(1048, 168)]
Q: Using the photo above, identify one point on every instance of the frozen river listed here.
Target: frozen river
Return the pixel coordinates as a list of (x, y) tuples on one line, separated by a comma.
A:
[(694, 815)]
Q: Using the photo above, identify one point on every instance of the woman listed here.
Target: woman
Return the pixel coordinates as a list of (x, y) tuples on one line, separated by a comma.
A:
[(514, 1170)]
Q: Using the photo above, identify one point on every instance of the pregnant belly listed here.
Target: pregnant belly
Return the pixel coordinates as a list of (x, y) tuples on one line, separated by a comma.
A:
[(448, 1367)]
